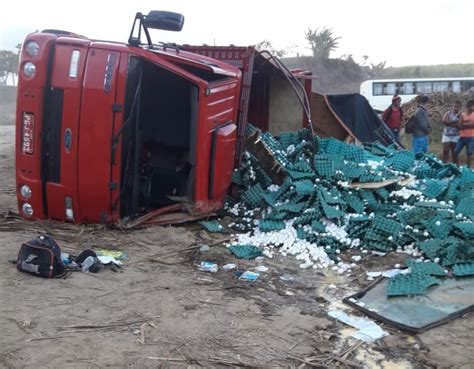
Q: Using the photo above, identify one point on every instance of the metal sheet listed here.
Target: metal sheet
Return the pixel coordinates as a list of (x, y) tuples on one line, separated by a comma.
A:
[(451, 299)]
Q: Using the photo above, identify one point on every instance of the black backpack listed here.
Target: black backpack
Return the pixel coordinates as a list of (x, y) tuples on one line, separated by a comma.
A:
[(410, 125), (41, 257)]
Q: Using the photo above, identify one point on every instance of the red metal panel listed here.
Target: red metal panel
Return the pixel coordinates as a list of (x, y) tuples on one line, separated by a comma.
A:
[(68, 186), (30, 100), (56, 194), (223, 160), (242, 58), (221, 106), (218, 108), (28, 166), (117, 124), (96, 127)]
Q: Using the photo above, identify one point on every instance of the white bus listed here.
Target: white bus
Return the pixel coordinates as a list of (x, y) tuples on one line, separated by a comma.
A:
[(379, 92)]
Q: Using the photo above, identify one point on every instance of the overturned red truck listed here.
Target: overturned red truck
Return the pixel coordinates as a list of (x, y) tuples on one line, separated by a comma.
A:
[(109, 131)]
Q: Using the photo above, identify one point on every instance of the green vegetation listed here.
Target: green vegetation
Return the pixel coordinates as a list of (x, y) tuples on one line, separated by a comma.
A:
[(268, 46), (322, 42), (8, 65), (428, 71)]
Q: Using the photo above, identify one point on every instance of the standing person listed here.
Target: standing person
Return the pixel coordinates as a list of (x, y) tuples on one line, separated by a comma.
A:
[(421, 127), (451, 132), (466, 132), (393, 115)]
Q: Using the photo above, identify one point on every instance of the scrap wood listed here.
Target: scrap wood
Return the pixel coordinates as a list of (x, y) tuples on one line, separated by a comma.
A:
[(184, 356), (142, 338), (156, 258), (407, 180), (374, 185), (328, 359), (345, 353), (308, 362), (228, 362), (73, 234), (175, 218), (211, 303), (344, 361), (107, 326), (170, 253), (165, 358), (153, 215), (402, 181), (342, 356), (45, 338), (232, 347), (264, 155)]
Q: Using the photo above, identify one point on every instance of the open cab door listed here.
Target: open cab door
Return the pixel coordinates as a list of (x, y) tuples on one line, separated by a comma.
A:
[(179, 133)]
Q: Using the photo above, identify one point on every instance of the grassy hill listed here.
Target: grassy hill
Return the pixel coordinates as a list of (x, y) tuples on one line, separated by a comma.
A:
[(429, 71), (337, 76)]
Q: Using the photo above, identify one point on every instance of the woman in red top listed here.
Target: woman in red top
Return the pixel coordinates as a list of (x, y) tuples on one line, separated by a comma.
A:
[(466, 132), (393, 115)]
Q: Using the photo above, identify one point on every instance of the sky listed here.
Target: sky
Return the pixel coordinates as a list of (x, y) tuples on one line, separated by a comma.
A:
[(400, 32)]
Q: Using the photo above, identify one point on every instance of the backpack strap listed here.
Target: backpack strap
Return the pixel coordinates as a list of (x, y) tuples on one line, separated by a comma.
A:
[(387, 114)]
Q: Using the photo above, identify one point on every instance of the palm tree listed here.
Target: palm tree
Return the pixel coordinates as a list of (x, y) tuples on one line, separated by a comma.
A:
[(322, 41)]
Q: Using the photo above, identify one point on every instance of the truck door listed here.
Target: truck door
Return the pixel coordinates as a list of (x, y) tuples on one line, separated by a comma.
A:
[(96, 131), (216, 144)]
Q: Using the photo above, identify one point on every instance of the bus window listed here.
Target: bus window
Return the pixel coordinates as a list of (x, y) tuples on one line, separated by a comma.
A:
[(456, 86), (423, 87), (390, 88), (440, 86), (468, 86), (378, 89), (399, 89), (408, 88)]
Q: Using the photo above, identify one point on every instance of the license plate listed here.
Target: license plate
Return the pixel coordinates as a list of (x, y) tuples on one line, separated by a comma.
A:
[(28, 133)]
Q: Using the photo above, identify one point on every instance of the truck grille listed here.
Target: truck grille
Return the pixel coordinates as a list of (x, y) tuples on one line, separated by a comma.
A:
[(51, 135)]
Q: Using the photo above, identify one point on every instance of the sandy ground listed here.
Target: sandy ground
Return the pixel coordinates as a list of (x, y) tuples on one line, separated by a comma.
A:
[(161, 311)]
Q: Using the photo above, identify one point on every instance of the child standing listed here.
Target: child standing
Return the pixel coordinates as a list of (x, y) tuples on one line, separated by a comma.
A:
[(451, 132)]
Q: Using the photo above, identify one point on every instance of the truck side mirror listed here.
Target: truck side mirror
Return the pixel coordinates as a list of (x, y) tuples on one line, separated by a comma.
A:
[(168, 21)]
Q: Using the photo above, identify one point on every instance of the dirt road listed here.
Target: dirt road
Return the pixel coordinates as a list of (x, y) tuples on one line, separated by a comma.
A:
[(161, 311)]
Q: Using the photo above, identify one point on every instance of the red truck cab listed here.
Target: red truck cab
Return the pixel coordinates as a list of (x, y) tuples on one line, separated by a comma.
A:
[(110, 131)]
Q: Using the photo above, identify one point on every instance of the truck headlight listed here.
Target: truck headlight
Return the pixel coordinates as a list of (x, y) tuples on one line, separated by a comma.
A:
[(25, 192), (29, 69), (27, 209), (32, 48)]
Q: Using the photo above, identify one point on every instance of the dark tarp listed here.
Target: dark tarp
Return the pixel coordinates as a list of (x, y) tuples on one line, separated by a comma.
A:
[(352, 112)]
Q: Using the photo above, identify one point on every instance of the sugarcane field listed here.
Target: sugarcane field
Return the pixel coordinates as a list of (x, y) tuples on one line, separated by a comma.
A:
[(181, 204)]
